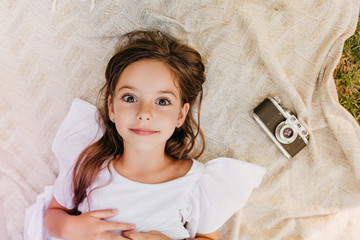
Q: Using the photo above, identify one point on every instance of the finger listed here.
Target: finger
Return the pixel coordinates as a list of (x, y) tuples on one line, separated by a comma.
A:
[(153, 232), (132, 235), (113, 236), (107, 213), (114, 226), (126, 233)]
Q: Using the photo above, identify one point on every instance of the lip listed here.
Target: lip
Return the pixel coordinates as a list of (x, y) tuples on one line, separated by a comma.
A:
[(143, 131)]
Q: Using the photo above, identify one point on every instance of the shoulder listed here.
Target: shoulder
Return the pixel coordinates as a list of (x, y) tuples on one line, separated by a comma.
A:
[(81, 127), (223, 187), (179, 169), (225, 165), (183, 166), (228, 173)]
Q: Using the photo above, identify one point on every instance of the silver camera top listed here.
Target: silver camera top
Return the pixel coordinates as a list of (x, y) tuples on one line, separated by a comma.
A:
[(288, 130)]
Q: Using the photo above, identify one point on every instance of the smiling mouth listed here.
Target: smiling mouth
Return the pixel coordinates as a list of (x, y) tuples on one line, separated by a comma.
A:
[(143, 132)]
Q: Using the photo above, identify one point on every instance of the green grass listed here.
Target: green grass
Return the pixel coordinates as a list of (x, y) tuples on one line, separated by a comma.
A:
[(347, 75)]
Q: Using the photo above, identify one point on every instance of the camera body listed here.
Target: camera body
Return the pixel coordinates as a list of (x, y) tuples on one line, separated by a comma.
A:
[(282, 126)]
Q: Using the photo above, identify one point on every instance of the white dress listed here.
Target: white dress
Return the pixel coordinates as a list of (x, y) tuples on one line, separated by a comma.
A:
[(199, 202)]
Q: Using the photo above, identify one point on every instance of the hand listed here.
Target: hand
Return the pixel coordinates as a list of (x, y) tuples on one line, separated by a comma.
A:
[(91, 226), (145, 235)]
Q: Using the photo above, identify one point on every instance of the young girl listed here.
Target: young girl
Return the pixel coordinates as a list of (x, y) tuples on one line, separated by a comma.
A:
[(133, 174)]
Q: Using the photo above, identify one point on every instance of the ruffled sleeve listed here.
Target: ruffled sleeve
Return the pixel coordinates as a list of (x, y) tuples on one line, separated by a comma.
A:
[(79, 129), (223, 188)]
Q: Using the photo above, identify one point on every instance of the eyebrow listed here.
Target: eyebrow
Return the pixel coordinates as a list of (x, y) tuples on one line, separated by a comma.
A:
[(161, 92)]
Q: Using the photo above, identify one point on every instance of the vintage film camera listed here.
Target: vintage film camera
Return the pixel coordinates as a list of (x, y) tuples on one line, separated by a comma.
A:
[(282, 126)]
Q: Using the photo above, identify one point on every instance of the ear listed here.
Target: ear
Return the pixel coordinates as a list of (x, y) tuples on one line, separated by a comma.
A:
[(183, 113), (111, 109)]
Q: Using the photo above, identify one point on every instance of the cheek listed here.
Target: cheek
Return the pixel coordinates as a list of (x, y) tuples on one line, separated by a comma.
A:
[(170, 117), (123, 111), (123, 118)]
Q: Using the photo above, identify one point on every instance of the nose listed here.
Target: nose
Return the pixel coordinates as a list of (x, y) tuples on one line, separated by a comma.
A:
[(144, 113), (143, 117)]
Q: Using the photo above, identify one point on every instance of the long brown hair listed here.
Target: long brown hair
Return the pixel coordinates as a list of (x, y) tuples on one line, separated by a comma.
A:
[(186, 65)]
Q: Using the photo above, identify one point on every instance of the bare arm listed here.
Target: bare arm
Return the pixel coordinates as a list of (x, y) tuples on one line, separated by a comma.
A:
[(209, 236), (89, 225), (56, 218)]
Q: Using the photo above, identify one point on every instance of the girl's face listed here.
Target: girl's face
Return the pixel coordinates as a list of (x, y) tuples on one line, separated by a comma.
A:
[(146, 106)]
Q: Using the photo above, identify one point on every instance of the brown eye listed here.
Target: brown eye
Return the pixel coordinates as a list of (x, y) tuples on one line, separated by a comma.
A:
[(129, 98), (163, 102)]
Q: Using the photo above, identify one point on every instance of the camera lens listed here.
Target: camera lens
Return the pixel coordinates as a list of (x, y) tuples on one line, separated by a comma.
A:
[(288, 132)]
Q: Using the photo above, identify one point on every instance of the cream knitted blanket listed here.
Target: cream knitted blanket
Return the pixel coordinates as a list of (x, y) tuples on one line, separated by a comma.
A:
[(54, 51)]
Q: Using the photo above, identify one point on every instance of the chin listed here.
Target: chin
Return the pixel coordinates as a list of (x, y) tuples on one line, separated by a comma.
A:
[(146, 146)]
